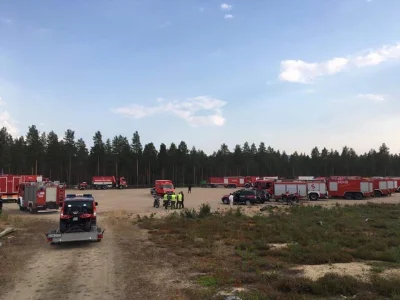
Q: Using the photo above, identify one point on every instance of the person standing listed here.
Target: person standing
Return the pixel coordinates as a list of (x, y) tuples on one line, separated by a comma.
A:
[(179, 200), (173, 201), (231, 200), (183, 199), (189, 189)]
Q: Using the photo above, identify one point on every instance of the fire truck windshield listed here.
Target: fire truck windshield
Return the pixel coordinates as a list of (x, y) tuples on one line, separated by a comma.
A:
[(167, 186)]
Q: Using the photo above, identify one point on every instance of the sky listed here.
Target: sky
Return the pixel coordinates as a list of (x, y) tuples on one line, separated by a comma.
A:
[(292, 74)]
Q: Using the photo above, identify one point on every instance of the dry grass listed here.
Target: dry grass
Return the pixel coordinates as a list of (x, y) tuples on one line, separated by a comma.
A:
[(19, 245), (231, 249)]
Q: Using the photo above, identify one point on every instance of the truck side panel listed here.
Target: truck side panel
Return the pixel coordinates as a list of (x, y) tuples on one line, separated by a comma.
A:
[(3, 184)]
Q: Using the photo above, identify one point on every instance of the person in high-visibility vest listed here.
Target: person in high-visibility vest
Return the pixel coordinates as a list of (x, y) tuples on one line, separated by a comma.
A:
[(173, 201), (180, 198)]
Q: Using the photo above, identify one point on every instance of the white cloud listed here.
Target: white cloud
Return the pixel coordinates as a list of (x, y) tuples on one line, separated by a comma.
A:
[(372, 97), (7, 121), (226, 6), (188, 110), (228, 16), (305, 72)]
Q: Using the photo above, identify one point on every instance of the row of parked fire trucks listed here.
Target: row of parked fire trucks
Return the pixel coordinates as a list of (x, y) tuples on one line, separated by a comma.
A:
[(314, 188), (31, 192)]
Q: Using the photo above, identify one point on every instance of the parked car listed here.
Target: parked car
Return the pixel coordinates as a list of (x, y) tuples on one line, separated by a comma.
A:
[(242, 196)]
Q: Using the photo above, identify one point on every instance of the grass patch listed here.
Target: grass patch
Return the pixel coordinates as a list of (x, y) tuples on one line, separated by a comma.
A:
[(235, 250)]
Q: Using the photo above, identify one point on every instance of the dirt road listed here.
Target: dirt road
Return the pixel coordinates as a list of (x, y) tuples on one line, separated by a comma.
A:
[(125, 265), (78, 271)]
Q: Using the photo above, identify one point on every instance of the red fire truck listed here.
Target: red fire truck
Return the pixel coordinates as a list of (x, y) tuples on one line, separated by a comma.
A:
[(163, 186), (312, 189), (37, 196), (384, 186), (104, 182), (232, 181), (9, 185), (350, 187)]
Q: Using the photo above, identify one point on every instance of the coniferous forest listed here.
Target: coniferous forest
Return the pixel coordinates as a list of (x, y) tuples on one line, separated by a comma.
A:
[(70, 160)]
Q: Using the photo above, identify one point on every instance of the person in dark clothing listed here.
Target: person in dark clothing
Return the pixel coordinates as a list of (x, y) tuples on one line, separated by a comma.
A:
[(183, 200), (189, 189)]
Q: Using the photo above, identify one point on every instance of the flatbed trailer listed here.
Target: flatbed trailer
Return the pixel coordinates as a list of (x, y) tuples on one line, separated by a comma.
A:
[(55, 236)]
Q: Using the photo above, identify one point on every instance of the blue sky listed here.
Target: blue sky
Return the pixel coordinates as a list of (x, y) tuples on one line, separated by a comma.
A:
[(294, 74)]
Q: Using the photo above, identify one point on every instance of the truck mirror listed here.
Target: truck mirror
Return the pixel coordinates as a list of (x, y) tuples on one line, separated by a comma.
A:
[(97, 204)]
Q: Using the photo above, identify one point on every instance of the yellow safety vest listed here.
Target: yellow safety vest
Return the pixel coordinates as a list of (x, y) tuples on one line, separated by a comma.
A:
[(179, 197), (173, 196), (165, 196)]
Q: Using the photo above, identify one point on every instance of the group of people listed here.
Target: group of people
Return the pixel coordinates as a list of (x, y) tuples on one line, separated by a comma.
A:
[(176, 200)]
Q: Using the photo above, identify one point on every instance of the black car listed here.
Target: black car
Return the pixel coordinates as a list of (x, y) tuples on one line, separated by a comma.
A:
[(243, 196)]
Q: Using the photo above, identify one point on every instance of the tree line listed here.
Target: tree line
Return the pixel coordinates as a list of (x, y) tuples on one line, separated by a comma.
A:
[(69, 159)]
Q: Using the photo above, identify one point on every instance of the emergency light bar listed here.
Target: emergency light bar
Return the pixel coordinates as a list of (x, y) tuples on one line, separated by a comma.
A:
[(79, 195)]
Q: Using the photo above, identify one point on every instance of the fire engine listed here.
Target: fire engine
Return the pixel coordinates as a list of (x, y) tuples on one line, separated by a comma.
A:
[(350, 187), (37, 196), (384, 186), (163, 186), (9, 185)]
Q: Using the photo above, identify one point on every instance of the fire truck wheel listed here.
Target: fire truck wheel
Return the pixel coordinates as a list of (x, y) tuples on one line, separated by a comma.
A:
[(358, 196), (348, 196), (32, 210), (313, 197)]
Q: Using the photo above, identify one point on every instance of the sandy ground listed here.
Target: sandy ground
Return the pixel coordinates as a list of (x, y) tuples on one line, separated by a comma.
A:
[(139, 201), (123, 266)]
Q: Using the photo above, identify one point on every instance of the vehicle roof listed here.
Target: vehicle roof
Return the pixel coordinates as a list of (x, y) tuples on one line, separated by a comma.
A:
[(78, 199)]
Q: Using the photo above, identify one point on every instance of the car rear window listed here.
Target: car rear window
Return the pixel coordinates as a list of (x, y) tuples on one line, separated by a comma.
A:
[(82, 206)]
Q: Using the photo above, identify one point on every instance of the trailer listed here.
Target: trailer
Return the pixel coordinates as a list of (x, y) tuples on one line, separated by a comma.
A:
[(55, 237)]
